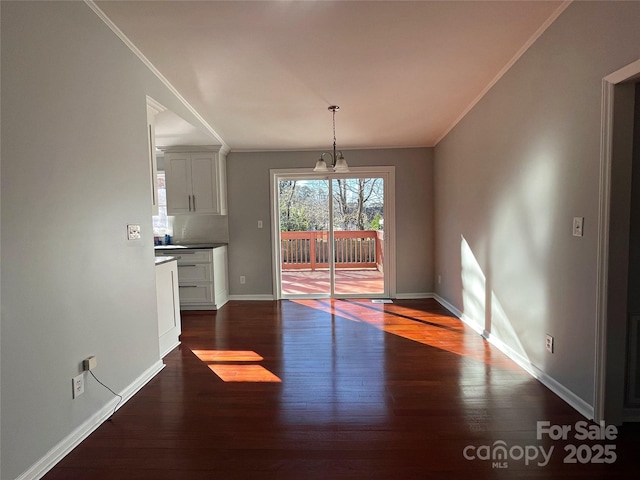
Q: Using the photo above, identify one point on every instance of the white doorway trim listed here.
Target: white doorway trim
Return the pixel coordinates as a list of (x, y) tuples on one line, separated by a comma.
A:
[(387, 172), (606, 155)]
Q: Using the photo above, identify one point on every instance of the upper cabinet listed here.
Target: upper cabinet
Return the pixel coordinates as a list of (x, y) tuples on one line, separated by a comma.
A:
[(196, 180), (153, 108)]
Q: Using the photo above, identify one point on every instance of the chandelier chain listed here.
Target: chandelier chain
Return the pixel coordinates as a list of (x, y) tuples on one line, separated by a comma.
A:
[(334, 134), (334, 126)]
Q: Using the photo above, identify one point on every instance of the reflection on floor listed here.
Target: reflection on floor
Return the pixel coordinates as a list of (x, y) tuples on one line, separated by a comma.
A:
[(340, 390)]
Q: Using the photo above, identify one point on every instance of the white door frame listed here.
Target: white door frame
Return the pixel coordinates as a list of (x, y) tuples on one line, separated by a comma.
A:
[(386, 172), (606, 155)]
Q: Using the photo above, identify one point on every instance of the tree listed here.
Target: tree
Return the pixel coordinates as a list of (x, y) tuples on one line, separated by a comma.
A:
[(287, 190), (352, 196), (357, 203), (303, 205)]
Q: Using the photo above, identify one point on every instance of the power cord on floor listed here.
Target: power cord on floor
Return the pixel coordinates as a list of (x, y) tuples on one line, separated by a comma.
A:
[(116, 394)]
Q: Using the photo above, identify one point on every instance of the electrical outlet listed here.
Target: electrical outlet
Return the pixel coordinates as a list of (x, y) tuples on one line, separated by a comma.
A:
[(133, 232), (89, 363), (243, 280), (548, 343), (259, 223), (78, 385)]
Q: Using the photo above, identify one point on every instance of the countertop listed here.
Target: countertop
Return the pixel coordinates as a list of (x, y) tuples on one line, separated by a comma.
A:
[(164, 259), (189, 246)]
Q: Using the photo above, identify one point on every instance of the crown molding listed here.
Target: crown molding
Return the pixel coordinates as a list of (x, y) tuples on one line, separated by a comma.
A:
[(155, 106), (552, 18), (193, 148), (326, 149), (120, 34)]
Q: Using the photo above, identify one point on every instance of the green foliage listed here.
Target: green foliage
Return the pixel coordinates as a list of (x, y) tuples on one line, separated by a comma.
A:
[(296, 221), (375, 222)]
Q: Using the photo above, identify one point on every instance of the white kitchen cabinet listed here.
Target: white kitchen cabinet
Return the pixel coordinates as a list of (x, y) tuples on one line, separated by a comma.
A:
[(202, 277), (196, 180), (168, 301), (220, 276)]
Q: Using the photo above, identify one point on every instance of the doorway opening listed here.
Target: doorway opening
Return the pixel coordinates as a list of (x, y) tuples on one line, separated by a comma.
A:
[(614, 347)]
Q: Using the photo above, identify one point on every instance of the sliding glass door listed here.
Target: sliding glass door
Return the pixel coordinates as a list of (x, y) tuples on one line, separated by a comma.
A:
[(304, 236), (358, 235), (330, 232)]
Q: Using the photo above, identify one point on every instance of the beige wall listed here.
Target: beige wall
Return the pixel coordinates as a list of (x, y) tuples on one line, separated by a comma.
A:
[(510, 177), (74, 174), (248, 188)]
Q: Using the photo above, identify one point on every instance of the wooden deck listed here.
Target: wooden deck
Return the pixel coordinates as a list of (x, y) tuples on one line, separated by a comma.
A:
[(349, 281), (340, 390)]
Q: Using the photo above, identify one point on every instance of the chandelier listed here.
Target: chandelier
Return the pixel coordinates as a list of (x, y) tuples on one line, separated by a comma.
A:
[(338, 163)]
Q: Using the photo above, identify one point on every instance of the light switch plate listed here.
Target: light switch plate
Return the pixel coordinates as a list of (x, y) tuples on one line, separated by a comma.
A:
[(578, 226), (133, 232)]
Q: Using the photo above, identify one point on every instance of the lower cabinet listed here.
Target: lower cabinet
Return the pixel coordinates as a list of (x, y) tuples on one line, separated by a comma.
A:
[(169, 327), (202, 277)]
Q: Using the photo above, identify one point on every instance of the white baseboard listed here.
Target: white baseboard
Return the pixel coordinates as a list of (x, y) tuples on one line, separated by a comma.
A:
[(468, 321), (167, 348), (193, 308), (552, 384), (266, 297), (410, 296), (251, 297), (447, 305), (57, 453), (582, 407)]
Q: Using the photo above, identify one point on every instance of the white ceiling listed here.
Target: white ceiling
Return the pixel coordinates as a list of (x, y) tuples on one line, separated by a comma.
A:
[(263, 73), (172, 130)]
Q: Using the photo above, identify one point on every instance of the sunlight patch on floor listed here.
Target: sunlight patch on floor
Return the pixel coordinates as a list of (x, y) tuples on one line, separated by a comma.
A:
[(439, 331), (244, 373), (227, 356), (226, 365)]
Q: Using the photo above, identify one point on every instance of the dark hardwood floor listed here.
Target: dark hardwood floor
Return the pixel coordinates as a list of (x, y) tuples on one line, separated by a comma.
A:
[(321, 389)]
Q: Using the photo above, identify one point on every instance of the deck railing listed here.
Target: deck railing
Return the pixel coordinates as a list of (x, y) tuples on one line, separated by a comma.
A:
[(310, 250)]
